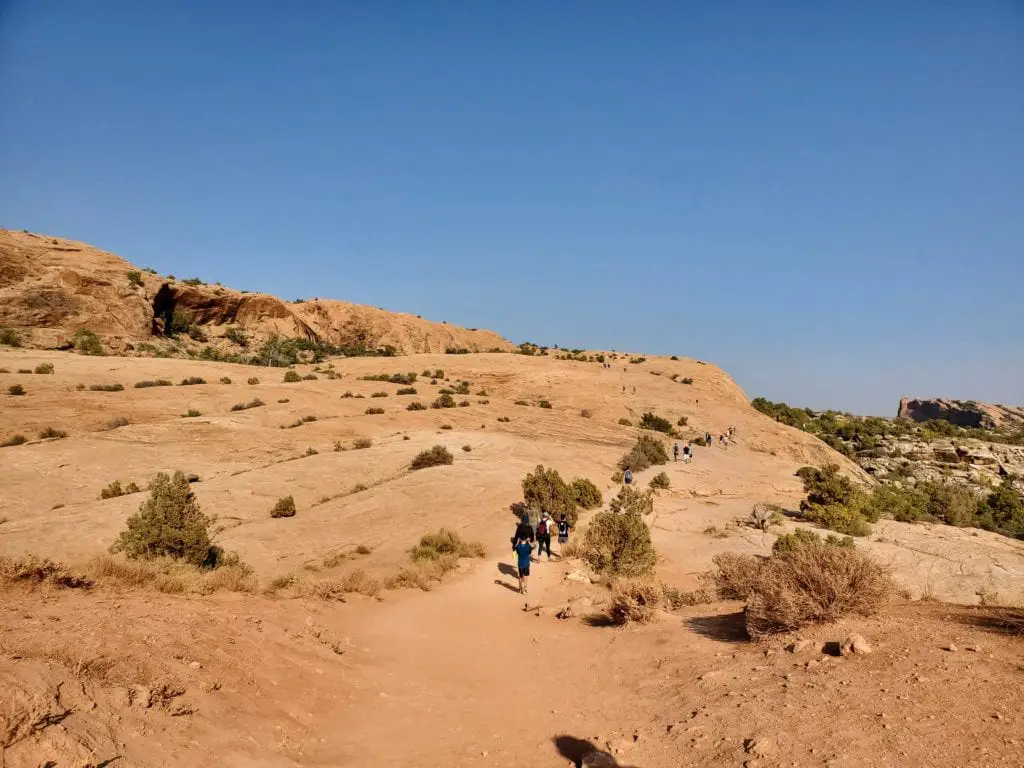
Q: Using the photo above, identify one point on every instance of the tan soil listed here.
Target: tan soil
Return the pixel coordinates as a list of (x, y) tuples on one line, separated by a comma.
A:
[(460, 676)]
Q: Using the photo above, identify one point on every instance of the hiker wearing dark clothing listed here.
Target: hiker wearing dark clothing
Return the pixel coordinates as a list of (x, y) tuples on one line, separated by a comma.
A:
[(544, 530), (627, 476), (563, 531), (675, 452), (524, 531), (523, 548), (687, 452)]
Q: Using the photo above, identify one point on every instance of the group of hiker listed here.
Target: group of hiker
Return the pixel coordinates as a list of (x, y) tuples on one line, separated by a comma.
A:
[(525, 535)]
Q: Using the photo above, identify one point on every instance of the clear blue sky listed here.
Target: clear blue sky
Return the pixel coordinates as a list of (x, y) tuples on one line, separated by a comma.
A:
[(825, 198)]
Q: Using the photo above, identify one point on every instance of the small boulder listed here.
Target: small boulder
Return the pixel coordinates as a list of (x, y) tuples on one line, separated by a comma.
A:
[(760, 746), (597, 759), (564, 613), (578, 575), (854, 644), (798, 646), (951, 647)]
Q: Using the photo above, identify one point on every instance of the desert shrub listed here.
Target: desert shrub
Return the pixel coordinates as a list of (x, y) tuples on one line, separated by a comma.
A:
[(37, 571), (467, 448), (545, 490), (647, 452), (406, 391), (619, 543), (362, 443), (169, 523), (253, 380), (115, 489), (9, 337), (687, 380), (444, 401), (585, 494), (799, 538), (1002, 509), (504, 419), (192, 380), (225, 380), (660, 481), (544, 404), (379, 394), (285, 507), (734, 575), (683, 421), (44, 368), (311, 451), (416, 407), (952, 503), (290, 377), (521, 402), (24, 370), (456, 351), (464, 404), (362, 549), (193, 281), (15, 390), (374, 411), (423, 573), (196, 333), (254, 403), (438, 374), (87, 342), (156, 383), (446, 426), (434, 457), (906, 505), (50, 433), (236, 336), (445, 542), (586, 413), (632, 499), (813, 585), (191, 413), (625, 422), (657, 423), (116, 422), (833, 501), (106, 387), (309, 377), (394, 378), (635, 600), (13, 441)]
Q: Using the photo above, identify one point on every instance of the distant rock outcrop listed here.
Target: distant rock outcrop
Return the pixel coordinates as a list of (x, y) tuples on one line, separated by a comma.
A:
[(962, 413), (51, 287)]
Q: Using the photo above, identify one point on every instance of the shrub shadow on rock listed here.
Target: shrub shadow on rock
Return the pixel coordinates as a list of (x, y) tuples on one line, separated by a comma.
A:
[(728, 627)]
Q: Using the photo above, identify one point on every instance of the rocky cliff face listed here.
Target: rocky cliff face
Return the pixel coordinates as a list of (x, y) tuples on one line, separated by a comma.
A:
[(962, 413), (971, 462), (51, 287)]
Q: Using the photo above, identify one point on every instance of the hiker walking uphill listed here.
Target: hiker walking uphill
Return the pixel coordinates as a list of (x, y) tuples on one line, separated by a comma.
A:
[(544, 530), (627, 476), (523, 548), (675, 452), (687, 453), (524, 531), (563, 533)]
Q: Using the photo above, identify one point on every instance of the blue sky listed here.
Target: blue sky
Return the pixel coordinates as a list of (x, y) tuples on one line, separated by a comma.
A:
[(827, 199)]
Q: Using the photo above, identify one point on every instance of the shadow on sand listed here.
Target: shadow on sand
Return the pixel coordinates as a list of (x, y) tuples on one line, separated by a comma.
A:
[(729, 628), (574, 750)]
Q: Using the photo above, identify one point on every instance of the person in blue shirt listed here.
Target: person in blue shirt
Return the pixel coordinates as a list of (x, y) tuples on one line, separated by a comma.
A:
[(523, 548)]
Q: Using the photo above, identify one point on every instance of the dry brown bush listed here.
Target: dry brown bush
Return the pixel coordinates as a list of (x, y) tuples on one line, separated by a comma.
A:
[(424, 573), (35, 571), (735, 575), (635, 600), (815, 585)]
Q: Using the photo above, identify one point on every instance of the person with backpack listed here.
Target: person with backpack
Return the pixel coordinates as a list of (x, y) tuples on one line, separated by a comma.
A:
[(687, 453), (627, 476), (563, 532), (544, 530), (675, 452), (523, 549), (524, 531)]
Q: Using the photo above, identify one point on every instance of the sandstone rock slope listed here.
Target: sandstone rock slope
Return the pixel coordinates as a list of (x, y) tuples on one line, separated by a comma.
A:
[(51, 287)]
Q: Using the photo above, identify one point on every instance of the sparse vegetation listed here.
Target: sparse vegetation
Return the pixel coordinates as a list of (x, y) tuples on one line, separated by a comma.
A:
[(191, 413), (687, 380), (393, 378), (44, 368), (225, 380), (647, 452), (15, 390), (434, 457), (444, 401), (106, 387), (504, 419), (252, 380), (682, 421), (416, 406), (433, 546), (192, 380), (13, 441), (544, 404), (171, 524), (379, 394), (660, 482), (153, 383), (115, 423), (585, 494), (285, 507), (87, 342), (632, 499), (467, 448), (833, 501), (236, 336), (290, 377), (658, 424), (309, 377), (619, 543), (361, 443), (625, 422), (374, 411), (9, 337), (254, 403), (50, 433), (635, 600), (115, 489), (545, 490), (406, 391)]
